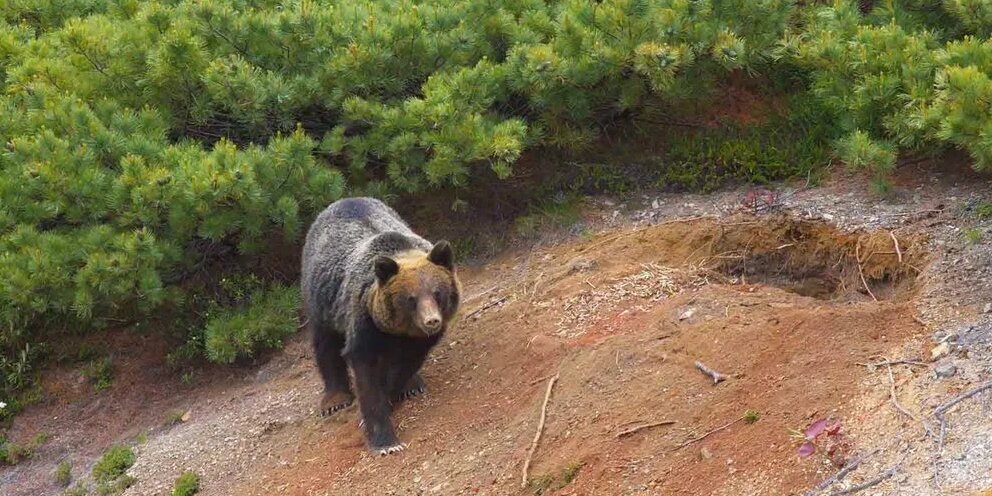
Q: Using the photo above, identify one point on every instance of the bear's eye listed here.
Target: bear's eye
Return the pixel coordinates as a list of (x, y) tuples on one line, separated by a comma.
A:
[(438, 295), (411, 300)]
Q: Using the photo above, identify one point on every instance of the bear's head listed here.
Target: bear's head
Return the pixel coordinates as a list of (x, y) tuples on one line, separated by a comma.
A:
[(416, 294)]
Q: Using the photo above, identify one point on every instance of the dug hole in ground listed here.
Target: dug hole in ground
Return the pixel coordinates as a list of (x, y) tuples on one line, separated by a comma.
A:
[(847, 333)]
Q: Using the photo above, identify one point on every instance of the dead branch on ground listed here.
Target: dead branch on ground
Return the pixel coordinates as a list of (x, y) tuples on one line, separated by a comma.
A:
[(717, 377), (896, 242), (946, 406), (540, 430), (632, 430), (707, 434), (906, 361), (889, 472), (485, 307), (861, 272), (847, 469)]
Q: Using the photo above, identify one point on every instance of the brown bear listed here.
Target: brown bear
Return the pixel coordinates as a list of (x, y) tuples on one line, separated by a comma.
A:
[(377, 298)]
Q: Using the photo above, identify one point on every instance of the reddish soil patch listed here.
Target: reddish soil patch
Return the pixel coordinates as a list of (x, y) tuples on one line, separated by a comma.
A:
[(792, 352)]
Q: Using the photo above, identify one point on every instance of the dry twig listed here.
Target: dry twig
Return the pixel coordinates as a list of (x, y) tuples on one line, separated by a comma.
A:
[(717, 377), (847, 469), (541, 379), (304, 324), (632, 430), (485, 307), (707, 434), (942, 409), (480, 295), (896, 242), (861, 272), (540, 430), (895, 402), (869, 484), (908, 361)]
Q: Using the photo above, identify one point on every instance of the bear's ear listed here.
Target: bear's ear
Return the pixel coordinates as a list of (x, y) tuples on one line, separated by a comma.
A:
[(385, 268), (441, 255)]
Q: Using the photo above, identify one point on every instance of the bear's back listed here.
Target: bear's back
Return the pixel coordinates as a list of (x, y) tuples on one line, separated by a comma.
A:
[(343, 241)]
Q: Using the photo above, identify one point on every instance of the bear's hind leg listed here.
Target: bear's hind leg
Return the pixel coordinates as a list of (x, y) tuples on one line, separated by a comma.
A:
[(372, 385), (334, 372)]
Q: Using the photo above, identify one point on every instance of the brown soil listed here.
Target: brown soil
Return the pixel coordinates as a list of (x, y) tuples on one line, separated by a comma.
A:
[(778, 303), (631, 361)]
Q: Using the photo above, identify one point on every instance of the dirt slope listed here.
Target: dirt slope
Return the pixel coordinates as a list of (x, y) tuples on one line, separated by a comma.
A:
[(780, 299)]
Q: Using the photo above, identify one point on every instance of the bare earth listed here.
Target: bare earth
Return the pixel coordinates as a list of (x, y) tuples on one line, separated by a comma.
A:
[(776, 297)]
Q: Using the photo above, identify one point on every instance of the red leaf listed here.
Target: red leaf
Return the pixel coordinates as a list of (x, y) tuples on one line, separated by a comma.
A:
[(816, 429), (834, 429), (807, 449)]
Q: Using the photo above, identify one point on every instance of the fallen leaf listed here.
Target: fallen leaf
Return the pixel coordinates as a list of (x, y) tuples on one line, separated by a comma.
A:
[(687, 314), (807, 449), (816, 429)]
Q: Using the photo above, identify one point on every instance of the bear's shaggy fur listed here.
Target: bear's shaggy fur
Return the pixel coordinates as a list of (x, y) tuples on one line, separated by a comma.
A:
[(377, 298)]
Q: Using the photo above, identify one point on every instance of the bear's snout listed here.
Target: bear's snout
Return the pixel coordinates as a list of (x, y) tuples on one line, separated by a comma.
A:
[(429, 316)]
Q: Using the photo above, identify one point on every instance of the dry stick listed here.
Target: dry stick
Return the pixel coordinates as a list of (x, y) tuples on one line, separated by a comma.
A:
[(872, 483), (841, 473), (717, 377), (642, 427), (540, 430), (908, 361), (895, 402), (480, 295), (942, 409), (485, 307), (541, 379), (857, 254), (304, 324), (704, 436), (896, 242)]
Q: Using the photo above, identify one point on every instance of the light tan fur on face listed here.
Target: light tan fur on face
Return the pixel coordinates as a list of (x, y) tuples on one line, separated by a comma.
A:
[(417, 276)]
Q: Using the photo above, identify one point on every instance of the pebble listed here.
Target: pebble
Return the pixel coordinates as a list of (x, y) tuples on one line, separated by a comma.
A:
[(945, 370), (941, 350), (988, 308)]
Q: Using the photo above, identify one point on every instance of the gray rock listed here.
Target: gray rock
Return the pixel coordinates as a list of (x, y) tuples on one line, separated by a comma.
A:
[(945, 370)]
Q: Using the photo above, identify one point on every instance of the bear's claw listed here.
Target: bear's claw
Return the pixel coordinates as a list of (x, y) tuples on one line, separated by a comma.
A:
[(387, 450), (333, 403), (410, 393)]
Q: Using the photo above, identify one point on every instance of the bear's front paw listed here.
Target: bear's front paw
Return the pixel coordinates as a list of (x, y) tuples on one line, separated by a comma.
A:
[(334, 402), (415, 387), (387, 450)]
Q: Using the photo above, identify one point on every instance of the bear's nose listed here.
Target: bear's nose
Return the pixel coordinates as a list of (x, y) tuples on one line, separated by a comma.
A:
[(432, 322)]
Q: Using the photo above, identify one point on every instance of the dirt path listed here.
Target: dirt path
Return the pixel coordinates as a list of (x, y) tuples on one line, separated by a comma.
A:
[(776, 298)]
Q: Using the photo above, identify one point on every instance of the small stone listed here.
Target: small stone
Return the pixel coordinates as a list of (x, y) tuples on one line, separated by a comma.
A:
[(687, 313), (705, 453), (988, 308), (945, 370), (940, 351), (185, 417)]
